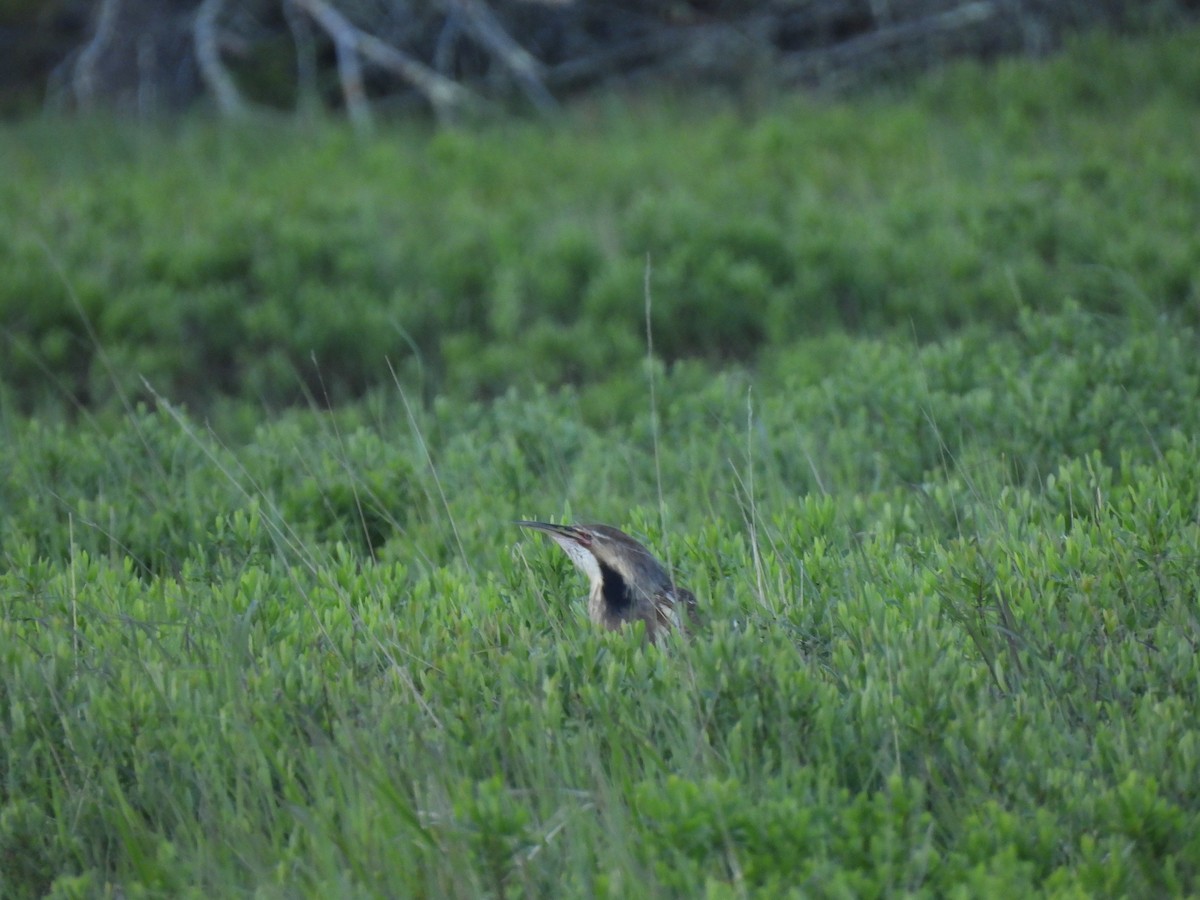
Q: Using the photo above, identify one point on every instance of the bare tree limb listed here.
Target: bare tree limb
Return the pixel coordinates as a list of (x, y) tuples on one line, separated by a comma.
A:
[(444, 95), (482, 23), (147, 76), (875, 44), (84, 78), (613, 58), (306, 56), (208, 58), (144, 55), (443, 49), (345, 42), (351, 74)]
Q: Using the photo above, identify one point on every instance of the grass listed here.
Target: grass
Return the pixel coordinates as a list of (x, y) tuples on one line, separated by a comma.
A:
[(964, 664), (949, 565)]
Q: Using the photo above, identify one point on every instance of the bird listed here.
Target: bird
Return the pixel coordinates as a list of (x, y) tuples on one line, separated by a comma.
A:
[(627, 583)]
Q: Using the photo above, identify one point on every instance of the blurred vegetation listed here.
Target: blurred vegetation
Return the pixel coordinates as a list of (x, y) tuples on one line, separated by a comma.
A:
[(288, 264), (923, 438)]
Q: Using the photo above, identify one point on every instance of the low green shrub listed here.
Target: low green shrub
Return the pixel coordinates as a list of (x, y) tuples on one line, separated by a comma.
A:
[(292, 264), (948, 642)]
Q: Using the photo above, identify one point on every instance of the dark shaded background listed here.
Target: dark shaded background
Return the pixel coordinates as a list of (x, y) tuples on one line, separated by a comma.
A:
[(145, 60)]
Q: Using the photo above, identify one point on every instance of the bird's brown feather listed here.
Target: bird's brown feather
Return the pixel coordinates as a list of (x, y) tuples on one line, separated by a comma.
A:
[(627, 582)]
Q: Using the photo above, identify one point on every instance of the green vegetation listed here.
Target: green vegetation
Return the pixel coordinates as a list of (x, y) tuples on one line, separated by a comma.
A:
[(927, 437), (242, 264)]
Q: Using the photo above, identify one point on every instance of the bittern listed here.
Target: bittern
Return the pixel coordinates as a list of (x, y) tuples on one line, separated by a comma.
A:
[(627, 583)]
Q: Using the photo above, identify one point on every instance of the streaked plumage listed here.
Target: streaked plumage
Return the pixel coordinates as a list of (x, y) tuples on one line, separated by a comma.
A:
[(627, 583)]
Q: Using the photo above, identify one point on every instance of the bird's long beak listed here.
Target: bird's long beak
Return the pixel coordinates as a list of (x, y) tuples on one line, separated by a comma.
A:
[(547, 527), (576, 542), (565, 536)]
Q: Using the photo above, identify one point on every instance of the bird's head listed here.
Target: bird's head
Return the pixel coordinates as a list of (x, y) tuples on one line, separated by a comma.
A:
[(578, 541), (600, 549)]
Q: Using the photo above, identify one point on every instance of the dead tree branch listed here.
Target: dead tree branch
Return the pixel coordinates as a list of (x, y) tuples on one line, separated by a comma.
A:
[(479, 20), (351, 74), (84, 78), (444, 95), (876, 46), (306, 56), (147, 55), (208, 59)]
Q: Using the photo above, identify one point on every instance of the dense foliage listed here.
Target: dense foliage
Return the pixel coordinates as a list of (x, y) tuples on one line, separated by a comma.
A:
[(273, 264), (932, 472)]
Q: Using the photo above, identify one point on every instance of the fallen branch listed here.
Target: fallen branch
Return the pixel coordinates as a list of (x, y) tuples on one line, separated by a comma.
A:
[(444, 95), (478, 19), (351, 74), (614, 61), (876, 44), (208, 59), (306, 57), (546, 49), (83, 80)]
